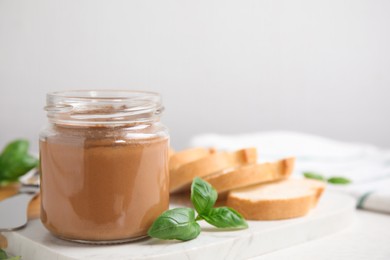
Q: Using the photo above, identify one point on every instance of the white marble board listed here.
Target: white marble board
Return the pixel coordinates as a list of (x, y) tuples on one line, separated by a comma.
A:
[(334, 212)]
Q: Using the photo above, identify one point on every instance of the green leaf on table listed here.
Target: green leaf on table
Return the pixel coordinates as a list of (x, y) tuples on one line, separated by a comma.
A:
[(203, 196), (225, 217), (313, 175), (4, 256), (178, 223), (339, 180), (15, 161)]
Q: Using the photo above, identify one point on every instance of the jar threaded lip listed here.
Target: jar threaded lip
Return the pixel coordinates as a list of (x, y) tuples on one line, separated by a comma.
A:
[(103, 107)]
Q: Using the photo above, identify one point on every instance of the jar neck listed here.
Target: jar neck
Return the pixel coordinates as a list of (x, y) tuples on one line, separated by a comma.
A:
[(103, 108)]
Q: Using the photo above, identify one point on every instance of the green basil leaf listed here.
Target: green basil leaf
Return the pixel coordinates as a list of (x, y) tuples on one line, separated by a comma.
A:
[(15, 161), (203, 196), (178, 223), (339, 180), (14, 258), (225, 217), (3, 254), (312, 175)]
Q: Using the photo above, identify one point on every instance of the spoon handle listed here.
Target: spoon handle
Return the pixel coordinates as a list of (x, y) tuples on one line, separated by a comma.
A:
[(13, 211)]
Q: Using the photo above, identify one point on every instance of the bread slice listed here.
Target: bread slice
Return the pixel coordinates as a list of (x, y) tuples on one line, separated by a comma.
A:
[(189, 155), (171, 152), (280, 200), (250, 174), (181, 178)]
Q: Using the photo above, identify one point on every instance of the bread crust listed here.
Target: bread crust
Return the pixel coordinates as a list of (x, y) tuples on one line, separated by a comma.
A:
[(251, 174), (276, 209), (271, 210), (189, 155), (181, 178)]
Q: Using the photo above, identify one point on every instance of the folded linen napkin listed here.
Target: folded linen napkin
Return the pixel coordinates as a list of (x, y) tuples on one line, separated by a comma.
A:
[(367, 166)]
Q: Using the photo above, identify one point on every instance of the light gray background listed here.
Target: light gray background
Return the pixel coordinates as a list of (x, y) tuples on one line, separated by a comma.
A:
[(225, 66)]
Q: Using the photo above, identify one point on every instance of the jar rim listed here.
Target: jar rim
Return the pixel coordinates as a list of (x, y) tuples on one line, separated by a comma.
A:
[(88, 94), (103, 107)]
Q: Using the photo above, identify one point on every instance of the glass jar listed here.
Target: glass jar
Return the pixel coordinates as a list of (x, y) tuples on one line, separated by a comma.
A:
[(104, 165)]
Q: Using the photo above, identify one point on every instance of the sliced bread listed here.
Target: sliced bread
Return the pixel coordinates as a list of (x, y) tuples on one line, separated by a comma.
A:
[(250, 174), (189, 155), (280, 200), (181, 178)]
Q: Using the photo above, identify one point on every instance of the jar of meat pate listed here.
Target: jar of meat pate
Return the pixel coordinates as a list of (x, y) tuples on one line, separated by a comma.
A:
[(104, 165)]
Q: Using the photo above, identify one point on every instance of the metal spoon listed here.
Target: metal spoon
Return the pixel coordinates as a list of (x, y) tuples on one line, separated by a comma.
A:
[(13, 210)]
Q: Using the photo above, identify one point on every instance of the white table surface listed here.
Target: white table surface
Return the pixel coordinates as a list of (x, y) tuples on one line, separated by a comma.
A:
[(334, 212), (367, 238)]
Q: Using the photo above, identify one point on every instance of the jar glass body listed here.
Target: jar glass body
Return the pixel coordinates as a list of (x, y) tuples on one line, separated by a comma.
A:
[(103, 180)]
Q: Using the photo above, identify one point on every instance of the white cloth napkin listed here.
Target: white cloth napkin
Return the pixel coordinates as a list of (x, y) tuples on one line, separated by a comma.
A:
[(367, 166)]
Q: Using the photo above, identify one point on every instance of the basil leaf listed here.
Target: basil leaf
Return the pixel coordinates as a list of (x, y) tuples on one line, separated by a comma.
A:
[(203, 196), (178, 223), (225, 217), (14, 258), (312, 175), (339, 180), (15, 160), (3, 254)]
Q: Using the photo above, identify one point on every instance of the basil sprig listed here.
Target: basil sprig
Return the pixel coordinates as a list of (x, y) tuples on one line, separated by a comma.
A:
[(313, 175), (176, 223), (225, 217), (332, 180), (15, 161), (203, 196), (181, 224), (4, 256), (339, 180)]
